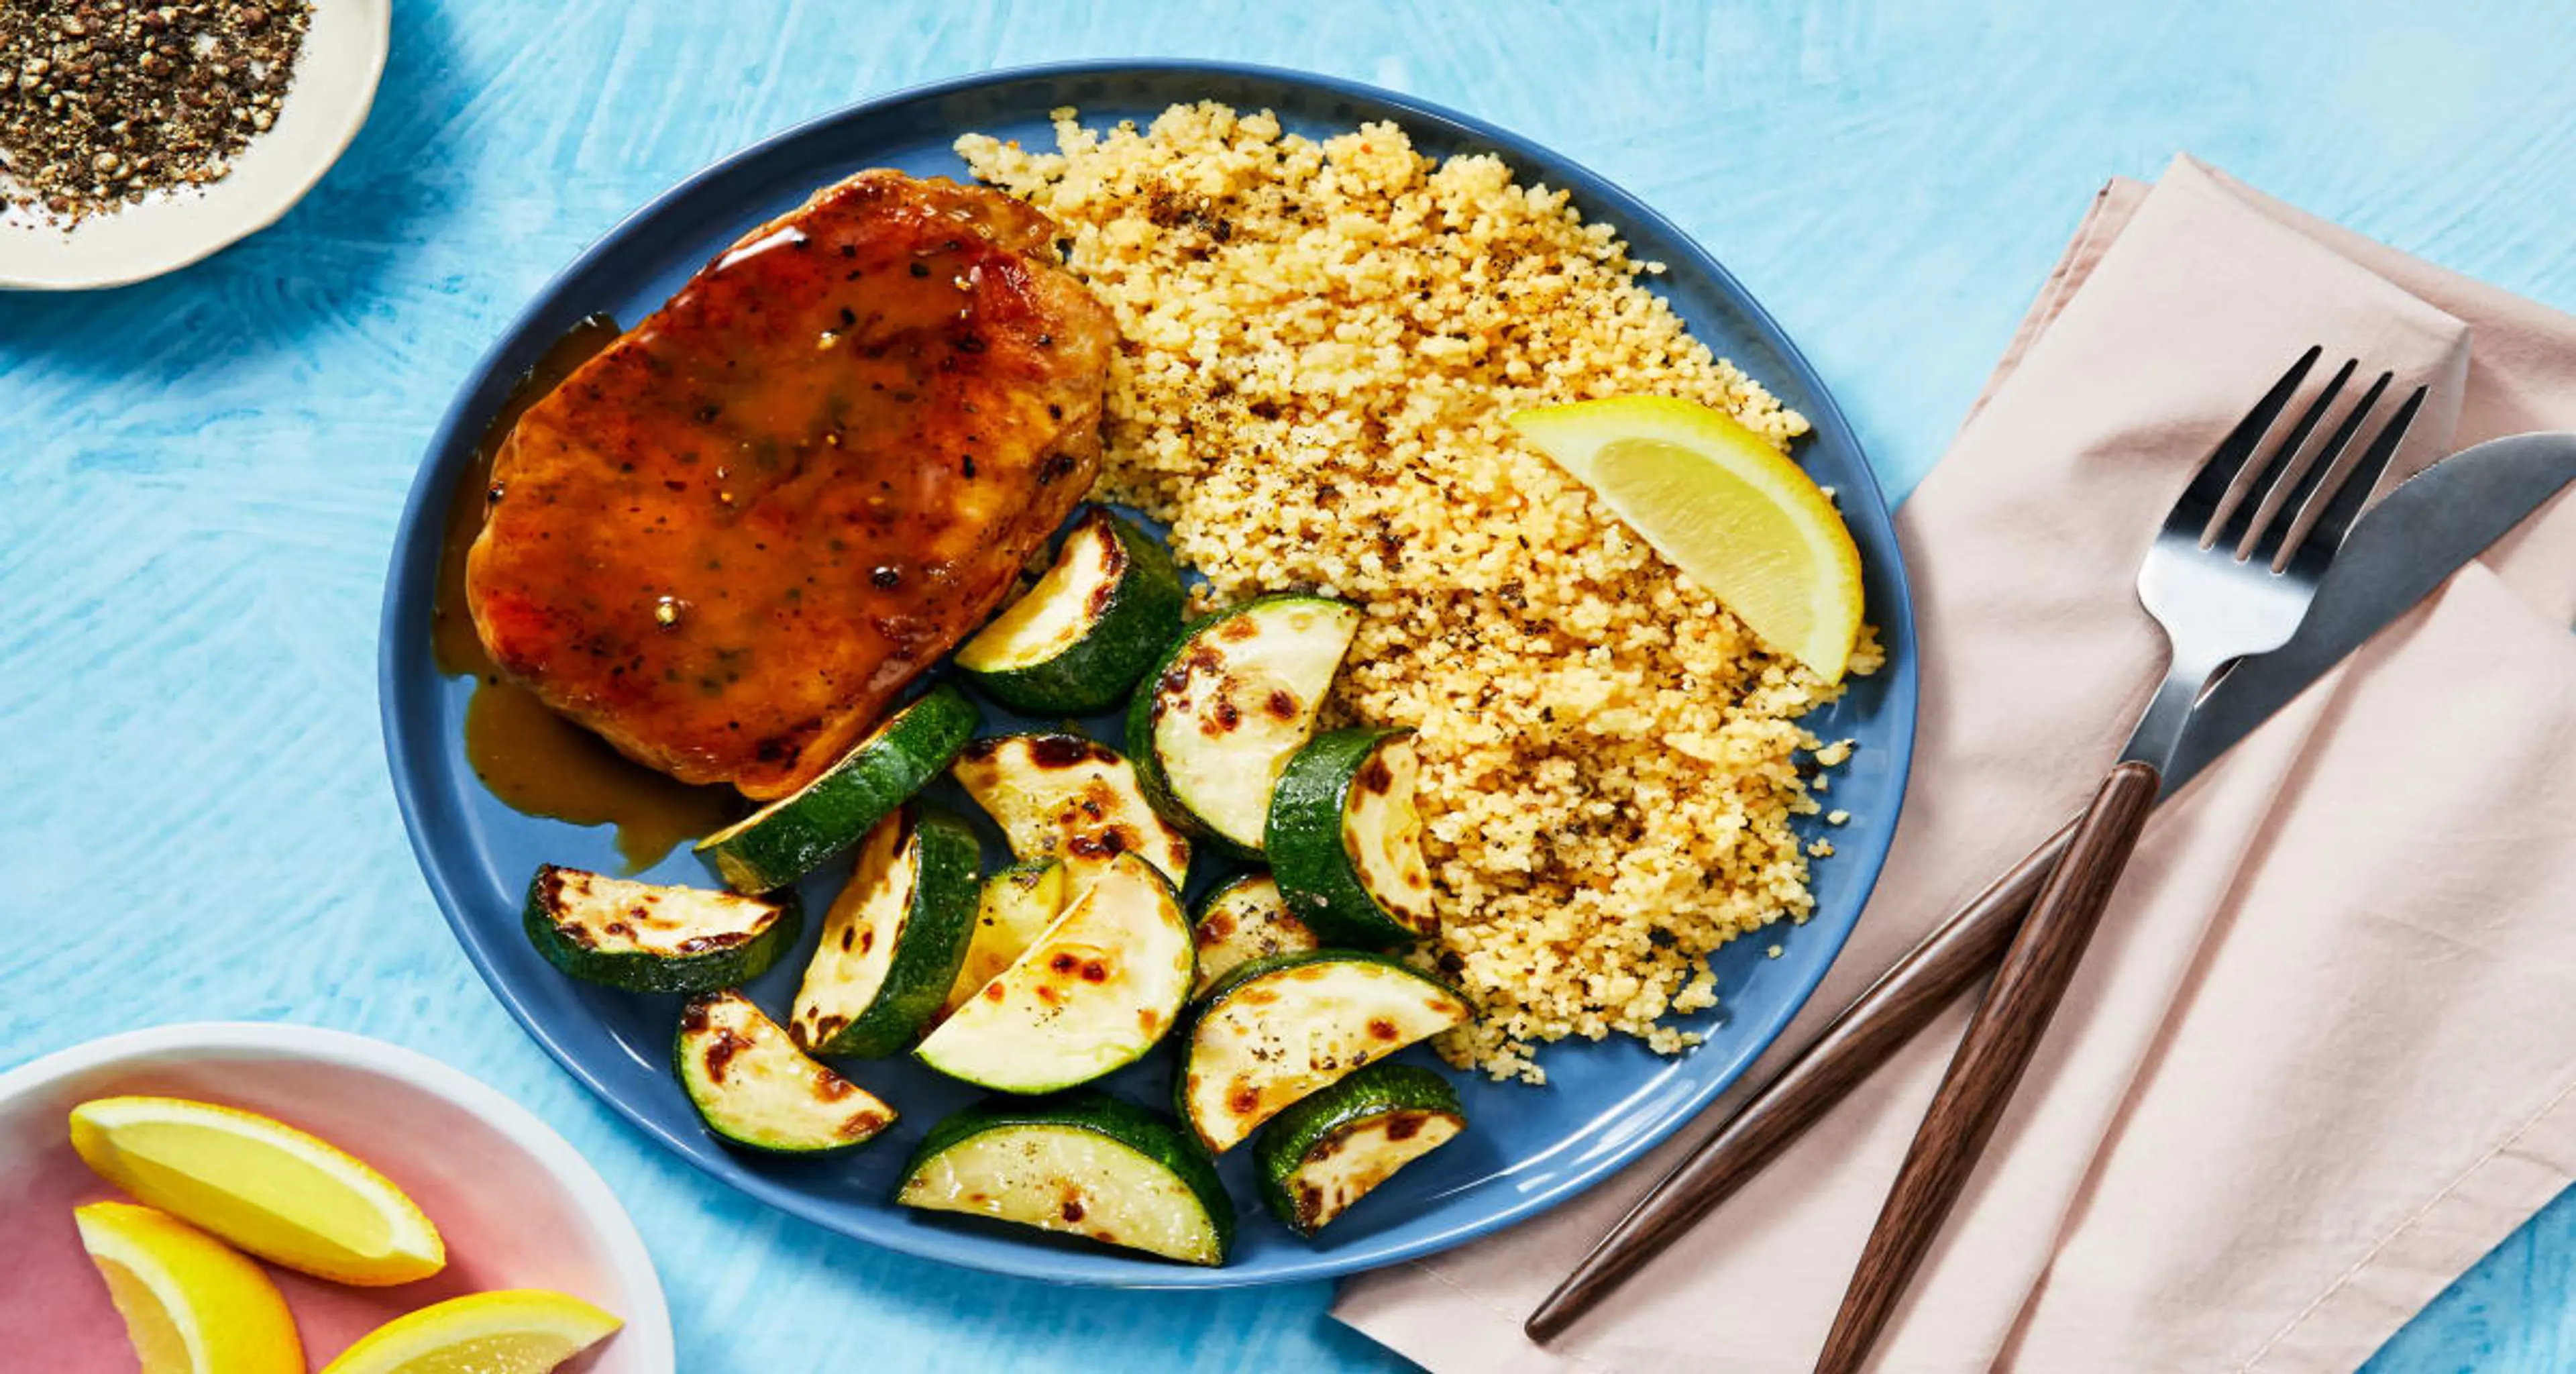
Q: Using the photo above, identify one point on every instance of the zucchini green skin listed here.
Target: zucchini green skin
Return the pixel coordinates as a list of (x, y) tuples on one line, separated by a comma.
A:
[(1256, 968), (1377, 1091), (1122, 634), (1147, 1133), (641, 971), (1309, 855), (795, 835), (723, 1034), (1143, 711), (929, 948)]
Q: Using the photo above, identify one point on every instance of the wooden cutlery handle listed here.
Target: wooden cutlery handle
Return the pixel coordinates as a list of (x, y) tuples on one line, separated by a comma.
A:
[(2000, 1042), (1851, 1047)]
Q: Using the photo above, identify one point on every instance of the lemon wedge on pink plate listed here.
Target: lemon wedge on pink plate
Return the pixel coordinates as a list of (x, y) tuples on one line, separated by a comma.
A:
[(516, 1331), (268, 1188), (1725, 507), (192, 1304)]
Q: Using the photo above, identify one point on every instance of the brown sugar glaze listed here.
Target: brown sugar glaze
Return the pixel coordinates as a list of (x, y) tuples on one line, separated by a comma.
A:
[(535, 761)]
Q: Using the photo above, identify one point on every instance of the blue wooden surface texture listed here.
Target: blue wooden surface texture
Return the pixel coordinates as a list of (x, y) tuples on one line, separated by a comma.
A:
[(199, 476)]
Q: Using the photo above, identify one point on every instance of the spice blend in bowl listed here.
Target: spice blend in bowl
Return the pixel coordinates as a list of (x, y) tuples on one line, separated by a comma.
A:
[(104, 101)]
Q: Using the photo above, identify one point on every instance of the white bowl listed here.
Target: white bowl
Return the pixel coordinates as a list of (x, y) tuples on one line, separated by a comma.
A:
[(517, 1206), (335, 82)]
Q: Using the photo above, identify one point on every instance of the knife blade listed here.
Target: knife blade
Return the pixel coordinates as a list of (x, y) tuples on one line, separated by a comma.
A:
[(2408, 543)]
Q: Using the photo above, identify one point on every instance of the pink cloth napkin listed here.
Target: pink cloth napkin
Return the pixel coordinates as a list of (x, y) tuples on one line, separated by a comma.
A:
[(2323, 1052)]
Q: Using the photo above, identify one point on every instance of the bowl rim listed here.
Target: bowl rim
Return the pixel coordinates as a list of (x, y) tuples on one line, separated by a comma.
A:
[(413, 568), (648, 1318), (187, 245)]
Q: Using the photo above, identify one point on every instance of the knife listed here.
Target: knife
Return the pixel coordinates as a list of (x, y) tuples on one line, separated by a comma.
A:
[(2421, 532)]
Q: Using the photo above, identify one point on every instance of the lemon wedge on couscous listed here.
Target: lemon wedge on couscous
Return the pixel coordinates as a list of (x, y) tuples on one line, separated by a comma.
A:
[(263, 1185), (1725, 507), (192, 1305), (516, 1331)]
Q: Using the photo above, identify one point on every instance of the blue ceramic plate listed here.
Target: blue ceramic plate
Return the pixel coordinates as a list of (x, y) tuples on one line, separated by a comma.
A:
[(1529, 1148)]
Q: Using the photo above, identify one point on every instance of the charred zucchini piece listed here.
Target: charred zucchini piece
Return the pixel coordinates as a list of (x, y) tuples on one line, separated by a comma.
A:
[(753, 1087), (1279, 1029), (1321, 1155), (1017, 906), (1091, 626), (894, 938), (1346, 841), (1096, 991), (1222, 713), (796, 834), (1061, 796), (1242, 921), (1082, 1163), (644, 937)]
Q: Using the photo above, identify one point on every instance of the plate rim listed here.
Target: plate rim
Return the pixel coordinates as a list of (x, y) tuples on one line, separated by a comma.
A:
[(401, 648)]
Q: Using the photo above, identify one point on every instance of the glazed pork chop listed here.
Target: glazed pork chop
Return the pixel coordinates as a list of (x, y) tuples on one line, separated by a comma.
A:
[(727, 541)]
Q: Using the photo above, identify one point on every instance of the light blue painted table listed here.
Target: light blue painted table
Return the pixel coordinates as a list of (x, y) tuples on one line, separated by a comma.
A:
[(199, 476)]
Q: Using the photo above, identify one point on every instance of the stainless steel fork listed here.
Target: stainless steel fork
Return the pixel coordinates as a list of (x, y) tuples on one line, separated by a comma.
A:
[(2231, 574), (2226, 591)]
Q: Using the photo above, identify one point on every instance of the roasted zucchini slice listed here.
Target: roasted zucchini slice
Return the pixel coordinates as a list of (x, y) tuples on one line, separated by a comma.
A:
[(1242, 921), (1061, 796), (1346, 841), (753, 1087), (1082, 1163), (795, 834), (1017, 906), (1091, 626), (894, 938), (1278, 1029), (648, 938), (1320, 1155), (1096, 991), (1218, 719)]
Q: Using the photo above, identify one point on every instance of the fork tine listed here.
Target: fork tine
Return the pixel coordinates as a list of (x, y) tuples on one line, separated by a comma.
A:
[(2281, 525), (2253, 501), (2343, 501), (2210, 485)]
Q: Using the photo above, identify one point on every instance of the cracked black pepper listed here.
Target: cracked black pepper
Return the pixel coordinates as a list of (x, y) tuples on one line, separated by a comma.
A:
[(105, 101)]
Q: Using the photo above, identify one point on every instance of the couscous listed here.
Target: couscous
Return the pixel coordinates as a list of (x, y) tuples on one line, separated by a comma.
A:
[(1320, 342)]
